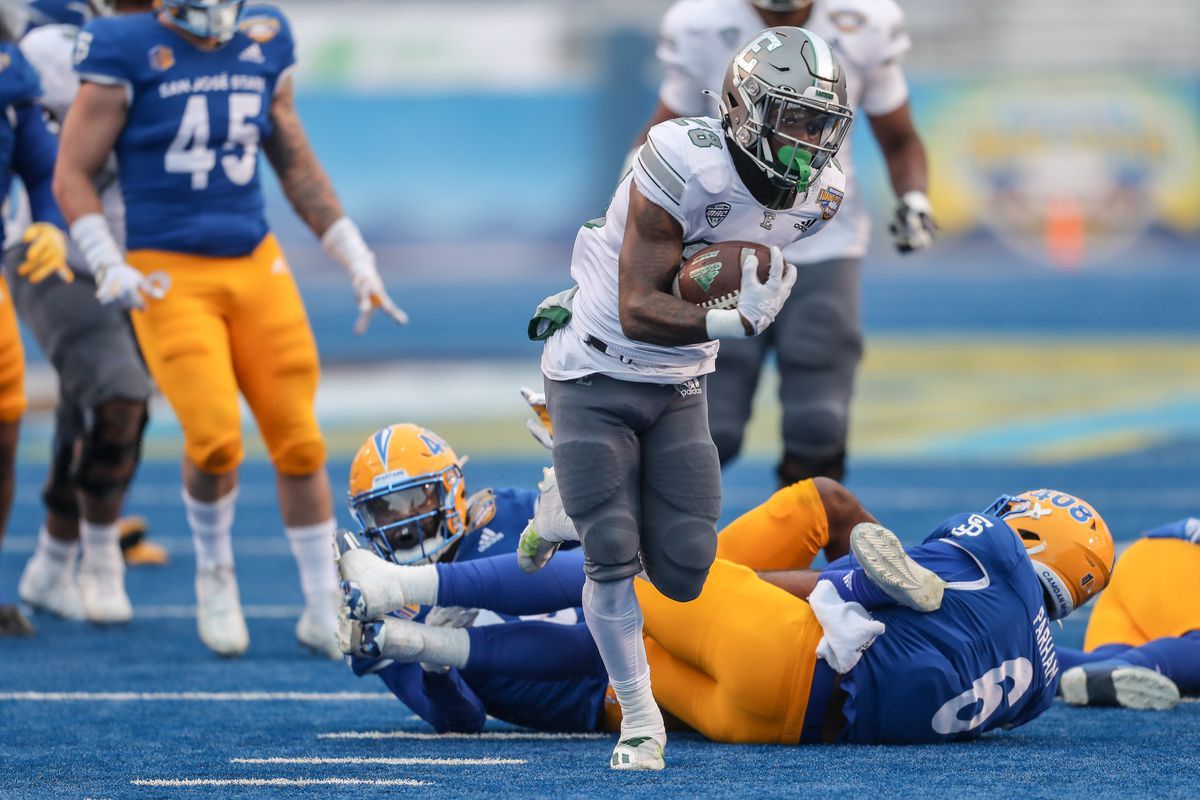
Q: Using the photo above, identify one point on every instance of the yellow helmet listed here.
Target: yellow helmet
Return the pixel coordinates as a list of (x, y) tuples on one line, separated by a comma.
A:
[(408, 495), (1068, 542)]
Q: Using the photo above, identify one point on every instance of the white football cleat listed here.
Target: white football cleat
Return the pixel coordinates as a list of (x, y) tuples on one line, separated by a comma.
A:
[(372, 587), (638, 753), (548, 529), (102, 588), (317, 628), (392, 638), (50, 586), (219, 612), (1113, 683), (882, 557)]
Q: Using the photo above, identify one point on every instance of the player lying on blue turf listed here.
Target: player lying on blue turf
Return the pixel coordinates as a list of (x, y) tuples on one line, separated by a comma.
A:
[(407, 492), (752, 661), (1148, 618)]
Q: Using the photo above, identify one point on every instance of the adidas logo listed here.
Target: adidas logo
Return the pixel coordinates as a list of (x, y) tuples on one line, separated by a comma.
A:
[(690, 388), (253, 54), (488, 538), (847, 579)]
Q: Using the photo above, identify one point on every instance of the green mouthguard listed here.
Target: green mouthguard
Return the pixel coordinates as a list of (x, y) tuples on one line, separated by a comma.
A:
[(798, 160)]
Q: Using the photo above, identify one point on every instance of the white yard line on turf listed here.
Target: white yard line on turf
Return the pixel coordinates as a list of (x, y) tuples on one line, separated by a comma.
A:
[(205, 697), (391, 762), (189, 612), (532, 735), (187, 782)]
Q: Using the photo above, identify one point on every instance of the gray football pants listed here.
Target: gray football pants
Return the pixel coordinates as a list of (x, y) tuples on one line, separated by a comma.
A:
[(639, 477), (91, 346), (817, 339)]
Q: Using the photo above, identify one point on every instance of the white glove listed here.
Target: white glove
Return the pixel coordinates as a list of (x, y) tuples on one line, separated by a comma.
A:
[(451, 616), (344, 244), (541, 428), (913, 227), (124, 286), (759, 303)]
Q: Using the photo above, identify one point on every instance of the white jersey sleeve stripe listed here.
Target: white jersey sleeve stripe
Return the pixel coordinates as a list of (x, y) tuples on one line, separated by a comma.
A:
[(663, 175)]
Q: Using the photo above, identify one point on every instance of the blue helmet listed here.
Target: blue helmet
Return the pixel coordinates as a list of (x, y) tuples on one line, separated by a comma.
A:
[(208, 19)]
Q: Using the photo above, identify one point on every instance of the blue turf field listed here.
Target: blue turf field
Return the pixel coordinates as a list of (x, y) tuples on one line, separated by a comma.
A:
[(101, 745)]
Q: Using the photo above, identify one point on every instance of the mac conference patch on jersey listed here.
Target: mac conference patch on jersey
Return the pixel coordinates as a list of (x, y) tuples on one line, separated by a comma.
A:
[(716, 213)]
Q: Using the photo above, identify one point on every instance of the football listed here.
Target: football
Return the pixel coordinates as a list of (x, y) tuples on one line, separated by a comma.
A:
[(712, 277)]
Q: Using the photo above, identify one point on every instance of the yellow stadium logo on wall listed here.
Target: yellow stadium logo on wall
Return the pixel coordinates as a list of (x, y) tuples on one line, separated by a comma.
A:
[(1067, 172)]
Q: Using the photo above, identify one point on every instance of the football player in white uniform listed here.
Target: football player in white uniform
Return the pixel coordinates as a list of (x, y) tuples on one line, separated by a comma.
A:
[(817, 337), (625, 371)]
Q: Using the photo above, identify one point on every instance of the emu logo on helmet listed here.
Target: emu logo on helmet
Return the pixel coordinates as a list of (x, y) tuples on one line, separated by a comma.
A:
[(716, 214), (745, 61)]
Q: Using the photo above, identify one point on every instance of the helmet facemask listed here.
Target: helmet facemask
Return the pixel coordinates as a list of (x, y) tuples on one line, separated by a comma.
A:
[(208, 19), (794, 138), (412, 521)]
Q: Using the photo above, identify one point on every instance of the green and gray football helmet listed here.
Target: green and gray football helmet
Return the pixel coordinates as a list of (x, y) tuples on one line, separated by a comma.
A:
[(784, 105), (782, 5)]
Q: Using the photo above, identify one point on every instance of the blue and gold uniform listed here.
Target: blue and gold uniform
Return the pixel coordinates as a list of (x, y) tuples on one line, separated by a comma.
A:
[(26, 149), (461, 700), (232, 319)]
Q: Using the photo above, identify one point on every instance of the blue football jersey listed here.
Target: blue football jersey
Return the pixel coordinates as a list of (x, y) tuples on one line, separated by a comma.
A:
[(188, 155), (448, 700), (985, 660), (19, 86), (76, 13)]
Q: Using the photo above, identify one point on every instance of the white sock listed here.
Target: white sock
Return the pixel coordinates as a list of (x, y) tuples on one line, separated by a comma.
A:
[(212, 529), (312, 547), (615, 620), (420, 584), (101, 543), (56, 550), (447, 647)]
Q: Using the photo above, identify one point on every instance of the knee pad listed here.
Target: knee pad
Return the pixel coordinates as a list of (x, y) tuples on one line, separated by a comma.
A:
[(590, 473), (218, 456), (299, 457), (58, 495), (111, 447), (678, 559), (687, 476)]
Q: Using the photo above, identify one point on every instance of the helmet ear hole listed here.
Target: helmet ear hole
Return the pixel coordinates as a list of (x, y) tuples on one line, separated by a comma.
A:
[(1029, 536)]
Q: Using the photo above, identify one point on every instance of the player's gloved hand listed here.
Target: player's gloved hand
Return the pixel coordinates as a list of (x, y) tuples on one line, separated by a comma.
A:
[(124, 286), (759, 303), (45, 255), (344, 244), (541, 428), (451, 617), (913, 226)]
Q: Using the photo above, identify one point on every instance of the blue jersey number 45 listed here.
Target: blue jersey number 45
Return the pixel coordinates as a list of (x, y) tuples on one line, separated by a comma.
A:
[(190, 154)]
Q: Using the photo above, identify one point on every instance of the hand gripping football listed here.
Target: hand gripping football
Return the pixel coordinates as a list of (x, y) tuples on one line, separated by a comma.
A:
[(712, 278)]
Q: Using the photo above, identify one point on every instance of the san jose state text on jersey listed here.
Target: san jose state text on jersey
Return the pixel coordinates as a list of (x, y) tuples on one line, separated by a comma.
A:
[(985, 660), (188, 154)]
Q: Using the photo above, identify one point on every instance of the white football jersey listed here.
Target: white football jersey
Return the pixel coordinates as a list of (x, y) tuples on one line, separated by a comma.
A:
[(698, 38), (50, 49), (685, 168)]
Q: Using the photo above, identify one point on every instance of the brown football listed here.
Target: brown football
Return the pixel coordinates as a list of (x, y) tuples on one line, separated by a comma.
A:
[(712, 277)]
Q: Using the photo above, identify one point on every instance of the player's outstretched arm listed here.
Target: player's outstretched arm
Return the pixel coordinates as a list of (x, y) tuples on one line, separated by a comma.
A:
[(904, 152), (89, 134), (311, 194)]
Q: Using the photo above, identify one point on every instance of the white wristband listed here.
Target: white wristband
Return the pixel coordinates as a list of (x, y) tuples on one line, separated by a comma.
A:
[(725, 323), (343, 242), (96, 242)]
